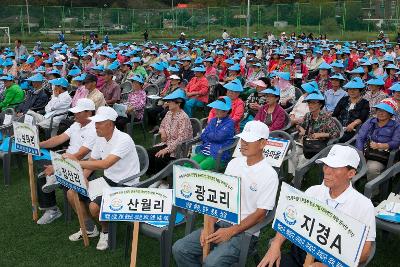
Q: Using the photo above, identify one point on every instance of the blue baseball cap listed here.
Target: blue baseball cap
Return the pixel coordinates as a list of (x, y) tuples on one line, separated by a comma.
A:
[(177, 94), (386, 107), (235, 67), (395, 87), (235, 86), (199, 69), (137, 78), (60, 82), (8, 77), (223, 103), (376, 81), (355, 83), (310, 87), (36, 78), (272, 91)]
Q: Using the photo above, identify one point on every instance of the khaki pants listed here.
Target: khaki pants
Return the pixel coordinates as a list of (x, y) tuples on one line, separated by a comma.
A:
[(374, 168)]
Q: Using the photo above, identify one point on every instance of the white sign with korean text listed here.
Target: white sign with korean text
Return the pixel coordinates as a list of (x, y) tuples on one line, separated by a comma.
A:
[(333, 238), (275, 151), (69, 173), (136, 204), (26, 138), (210, 193)]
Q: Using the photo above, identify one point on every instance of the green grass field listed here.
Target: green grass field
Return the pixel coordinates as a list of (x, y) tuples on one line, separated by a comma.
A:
[(24, 243)]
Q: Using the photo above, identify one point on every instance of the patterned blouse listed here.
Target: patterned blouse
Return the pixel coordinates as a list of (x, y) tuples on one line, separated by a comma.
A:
[(177, 128), (323, 124), (137, 101), (374, 99), (255, 97)]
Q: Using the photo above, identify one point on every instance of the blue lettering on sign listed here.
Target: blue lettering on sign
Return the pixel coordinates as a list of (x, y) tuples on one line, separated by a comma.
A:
[(72, 186), (308, 246), (27, 149), (208, 210), (132, 217)]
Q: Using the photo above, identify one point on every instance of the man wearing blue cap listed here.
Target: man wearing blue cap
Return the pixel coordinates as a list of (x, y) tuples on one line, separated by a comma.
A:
[(13, 94), (35, 99), (59, 103)]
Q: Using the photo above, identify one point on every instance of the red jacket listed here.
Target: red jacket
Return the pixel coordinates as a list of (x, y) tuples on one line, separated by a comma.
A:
[(199, 85), (278, 117)]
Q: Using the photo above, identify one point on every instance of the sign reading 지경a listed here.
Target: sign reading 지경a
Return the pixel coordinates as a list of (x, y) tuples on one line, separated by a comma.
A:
[(136, 204), (69, 173), (333, 238), (274, 151), (213, 194), (26, 138)]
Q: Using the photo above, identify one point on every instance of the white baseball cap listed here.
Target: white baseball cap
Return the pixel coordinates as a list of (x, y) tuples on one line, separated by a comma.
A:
[(254, 131), (104, 114), (174, 77), (341, 156), (83, 104)]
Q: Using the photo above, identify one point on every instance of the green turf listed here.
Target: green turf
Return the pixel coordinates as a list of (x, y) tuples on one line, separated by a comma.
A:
[(24, 243)]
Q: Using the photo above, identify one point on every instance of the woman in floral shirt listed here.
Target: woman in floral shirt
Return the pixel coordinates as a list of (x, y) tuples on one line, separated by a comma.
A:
[(135, 103), (317, 125), (175, 128)]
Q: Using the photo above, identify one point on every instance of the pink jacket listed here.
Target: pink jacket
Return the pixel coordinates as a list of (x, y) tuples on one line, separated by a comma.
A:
[(278, 117)]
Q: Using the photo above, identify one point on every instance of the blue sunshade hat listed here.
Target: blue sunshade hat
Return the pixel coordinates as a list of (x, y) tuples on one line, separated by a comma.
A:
[(355, 83), (272, 91), (391, 66), (209, 59), (395, 87), (235, 86), (229, 61), (157, 66), (177, 94), (388, 58), (235, 67), (198, 60), (58, 63), (136, 60), (199, 69), (36, 78), (54, 72), (137, 78), (310, 87), (314, 96), (60, 82), (80, 78), (376, 81), (186, 58), (337, 76), (8, 77), (359, 70), (223, 103), (324, 66), (74, 72), (337, 64), (374, 61), (386, 107), (283, 75), (98, 68)]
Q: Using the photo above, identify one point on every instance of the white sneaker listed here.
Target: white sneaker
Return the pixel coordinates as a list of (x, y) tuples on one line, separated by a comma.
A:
[(51, 184), (49, 216), (164, 185), (155, 185), (78, 235), (103, 242)]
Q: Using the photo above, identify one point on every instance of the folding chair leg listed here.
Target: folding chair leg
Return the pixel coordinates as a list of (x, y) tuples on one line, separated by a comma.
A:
[(128, 239), (165, 249), (144, 132), (6, 169), (112, 236), (67, 208)]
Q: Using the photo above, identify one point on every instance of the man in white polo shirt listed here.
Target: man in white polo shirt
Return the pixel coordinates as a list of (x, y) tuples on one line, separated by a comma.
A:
[(115, 153), (81, 135), (259, 185), (336, 191)]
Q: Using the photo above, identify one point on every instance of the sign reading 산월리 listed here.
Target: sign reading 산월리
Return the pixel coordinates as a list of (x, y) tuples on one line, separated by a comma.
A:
[(136, 204), (333, 238), (69, 173), (26, 138), (209, 193)]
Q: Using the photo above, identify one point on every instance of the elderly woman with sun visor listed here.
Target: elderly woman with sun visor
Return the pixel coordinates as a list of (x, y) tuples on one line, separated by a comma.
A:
[(272, 114), (375, 94), (218, 134)]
